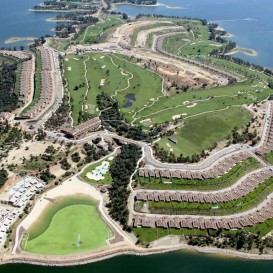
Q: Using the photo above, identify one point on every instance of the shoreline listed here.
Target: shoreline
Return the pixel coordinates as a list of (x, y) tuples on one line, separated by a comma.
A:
[(246, 51), (13, 40), (56, 10), (114, 5), (88, 258)]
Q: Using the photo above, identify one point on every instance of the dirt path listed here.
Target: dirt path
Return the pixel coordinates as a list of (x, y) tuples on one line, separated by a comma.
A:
[(143, 35), (86, 81)]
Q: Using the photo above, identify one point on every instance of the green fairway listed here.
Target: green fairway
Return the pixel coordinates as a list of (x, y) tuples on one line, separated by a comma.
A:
[(201, 132), (201, 101), (68, 229), (112, 74)]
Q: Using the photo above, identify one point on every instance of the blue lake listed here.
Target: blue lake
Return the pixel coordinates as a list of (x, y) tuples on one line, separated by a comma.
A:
[(17, 21), (249, 21)]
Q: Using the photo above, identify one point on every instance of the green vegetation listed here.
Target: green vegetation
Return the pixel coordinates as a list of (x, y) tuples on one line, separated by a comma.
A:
[(58, 229), (37, 80), (112, 74), (229, 178), (214, 127), (261, 229), (147, 235), (121, 170), (93, 34), (245, 203), (90, 33), (269, 157), (202, 101), (107, 177), (8, 92), (150, 26), (3, 177)]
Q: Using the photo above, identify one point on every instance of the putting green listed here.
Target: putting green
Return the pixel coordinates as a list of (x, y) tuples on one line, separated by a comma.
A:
[(74, 228)]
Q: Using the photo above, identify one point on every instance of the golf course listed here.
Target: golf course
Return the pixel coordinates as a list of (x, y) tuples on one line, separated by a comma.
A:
[(213, 127), (70, 226)]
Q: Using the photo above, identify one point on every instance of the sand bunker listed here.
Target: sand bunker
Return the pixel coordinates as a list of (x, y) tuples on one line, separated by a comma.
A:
[(66, 59), (103, 66), (102, 57), (186, 102), (76, 59), (69, 68), (146, 120), (176, 117), (192, 105), (102, 82)]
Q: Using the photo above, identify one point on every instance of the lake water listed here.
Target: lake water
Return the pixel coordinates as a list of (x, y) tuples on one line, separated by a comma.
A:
[(17, 21), (249, 21), (177, 262), (130, 100)]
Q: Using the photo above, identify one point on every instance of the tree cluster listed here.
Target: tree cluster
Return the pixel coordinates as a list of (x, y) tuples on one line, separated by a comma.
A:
[(121, 170), (240, 240), (8, 99), (113, 119), (3, 177)]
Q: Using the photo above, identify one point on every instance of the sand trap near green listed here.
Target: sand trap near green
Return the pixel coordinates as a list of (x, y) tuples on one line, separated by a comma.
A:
[(66, 227)]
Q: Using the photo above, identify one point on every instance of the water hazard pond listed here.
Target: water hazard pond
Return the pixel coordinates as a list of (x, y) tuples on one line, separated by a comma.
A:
[(129, 100)]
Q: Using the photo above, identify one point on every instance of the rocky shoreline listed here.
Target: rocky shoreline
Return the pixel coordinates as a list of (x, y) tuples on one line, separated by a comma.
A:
[(73, 260)]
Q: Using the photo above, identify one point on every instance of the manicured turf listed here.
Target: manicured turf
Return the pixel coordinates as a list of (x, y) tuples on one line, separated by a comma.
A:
[(201, 132), (57, 232), (94, 33), (206, 100), (194, 42), (115, 71)]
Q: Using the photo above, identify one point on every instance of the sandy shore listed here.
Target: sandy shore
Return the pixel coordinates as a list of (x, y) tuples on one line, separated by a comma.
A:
[(114, 6), (70, 187), (246, 51), (19, 39)]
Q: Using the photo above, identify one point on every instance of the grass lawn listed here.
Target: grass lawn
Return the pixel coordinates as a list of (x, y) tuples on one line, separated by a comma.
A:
[(147, 235), (204, 101), (109, 73), (269, 157), (94, 33), (200, 132), (58, 231)]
